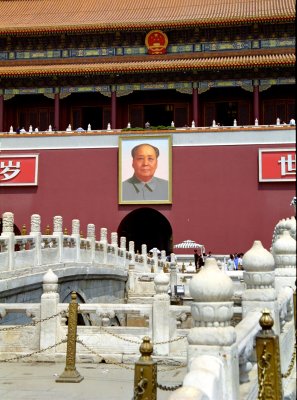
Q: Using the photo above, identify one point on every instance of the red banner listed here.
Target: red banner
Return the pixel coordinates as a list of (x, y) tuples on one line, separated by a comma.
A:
[(277, 165), (18, 170)]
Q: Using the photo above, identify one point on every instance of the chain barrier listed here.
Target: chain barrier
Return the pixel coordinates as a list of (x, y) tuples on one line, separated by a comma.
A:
[(291, 365), (263, 365), (169, 388), (139, 341), (33, 323), (34, 352)]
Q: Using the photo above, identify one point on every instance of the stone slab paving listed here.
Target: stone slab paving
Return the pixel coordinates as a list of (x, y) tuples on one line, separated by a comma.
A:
[(36, 381)]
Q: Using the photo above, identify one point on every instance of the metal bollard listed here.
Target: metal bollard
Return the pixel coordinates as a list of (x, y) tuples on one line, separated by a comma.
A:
[(268, 359), (145, 373), (70, 373)]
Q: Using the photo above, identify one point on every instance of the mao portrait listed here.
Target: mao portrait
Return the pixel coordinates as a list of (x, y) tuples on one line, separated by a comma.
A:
[(145, 170)]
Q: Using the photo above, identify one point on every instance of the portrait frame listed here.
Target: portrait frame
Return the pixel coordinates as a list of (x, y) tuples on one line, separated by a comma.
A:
[(162, 173)]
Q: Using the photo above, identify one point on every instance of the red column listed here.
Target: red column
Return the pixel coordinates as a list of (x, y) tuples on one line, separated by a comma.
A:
[(113, 109), (57, 112), (256, 100), (195, 104), (1, 112)]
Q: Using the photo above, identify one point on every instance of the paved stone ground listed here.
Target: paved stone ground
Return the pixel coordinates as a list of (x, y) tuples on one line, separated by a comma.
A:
[(36, 381)]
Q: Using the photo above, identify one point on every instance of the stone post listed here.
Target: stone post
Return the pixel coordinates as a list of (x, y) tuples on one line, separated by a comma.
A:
[(161, 314), (213, 335), (114, 243), (173, 277), (49, 306), (7, 232), (131, 252), (259, 277), (58, 232), (284, 253), (123, 249), (144, 254), (103, 243), (91, 236), (76, 235), (36, 233)]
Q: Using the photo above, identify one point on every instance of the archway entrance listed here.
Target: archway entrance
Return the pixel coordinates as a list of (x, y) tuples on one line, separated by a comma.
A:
[(147, 226)]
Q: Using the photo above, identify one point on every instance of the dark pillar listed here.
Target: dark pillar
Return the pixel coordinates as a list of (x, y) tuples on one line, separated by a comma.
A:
[(57, 112), (1, 112), (256, 100), (113, 109), (195, 104)]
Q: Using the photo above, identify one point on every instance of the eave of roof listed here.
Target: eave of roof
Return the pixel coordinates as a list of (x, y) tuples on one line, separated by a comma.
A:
[(55, 16), (166, 65)]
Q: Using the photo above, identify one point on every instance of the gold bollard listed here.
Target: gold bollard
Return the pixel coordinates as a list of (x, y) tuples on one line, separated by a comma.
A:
[(145, 373), (70, 373), (24, 230), (268, 359), (47, 230)]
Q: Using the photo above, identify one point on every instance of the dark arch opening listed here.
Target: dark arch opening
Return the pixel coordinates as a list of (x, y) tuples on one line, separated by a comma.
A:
[(147, 226)]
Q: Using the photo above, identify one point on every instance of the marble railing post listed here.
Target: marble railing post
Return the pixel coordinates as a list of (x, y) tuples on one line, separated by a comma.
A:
[(8, 233), (284, 253), (49, 333), (36, 233), (114, 243), (161, 314), (173, 277), (132, 252), (103, 243), (213, 335), (58, 232), (259, 277), (144, 254), (91, 236), (76, 235), (123, 250)]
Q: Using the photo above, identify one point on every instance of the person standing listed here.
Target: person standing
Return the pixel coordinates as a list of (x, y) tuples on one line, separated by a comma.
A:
[(196, 257)]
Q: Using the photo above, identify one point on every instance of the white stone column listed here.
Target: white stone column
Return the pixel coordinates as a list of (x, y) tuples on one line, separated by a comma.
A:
[(173, 277), (259, 277), (7, 232), (76, 235), (144, 254), (131, 252), (114, 243), (91, 236), (103, 244), (123, 249), (58, 232), (284, 253), (36, 233), (213, 335), (161, 314), (49, 332)]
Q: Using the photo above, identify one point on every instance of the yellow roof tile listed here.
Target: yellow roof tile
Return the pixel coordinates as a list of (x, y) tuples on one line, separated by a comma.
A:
[(170, 65), (58, 15)]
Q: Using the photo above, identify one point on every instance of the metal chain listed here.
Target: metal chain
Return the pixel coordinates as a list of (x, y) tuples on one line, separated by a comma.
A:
[(139, 341), (265, 362), (100, 356), (291, 365), (34, 352), (168, 388), (33, 323)]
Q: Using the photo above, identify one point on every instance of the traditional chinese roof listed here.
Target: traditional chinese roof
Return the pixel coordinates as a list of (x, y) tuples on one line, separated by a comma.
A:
[(146, 66), (49, 16)]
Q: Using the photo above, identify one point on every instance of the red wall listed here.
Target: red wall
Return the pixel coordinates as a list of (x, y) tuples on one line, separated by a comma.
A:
[(217, 199)]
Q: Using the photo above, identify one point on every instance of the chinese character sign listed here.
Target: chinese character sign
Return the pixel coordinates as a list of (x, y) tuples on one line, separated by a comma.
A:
[(277, 165), (18, 170)]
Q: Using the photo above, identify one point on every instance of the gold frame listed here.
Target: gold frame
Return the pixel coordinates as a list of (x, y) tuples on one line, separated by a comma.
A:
[(126, 143)]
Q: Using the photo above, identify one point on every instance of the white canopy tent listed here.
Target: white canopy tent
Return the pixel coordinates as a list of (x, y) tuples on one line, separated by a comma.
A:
[(189, 244)]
